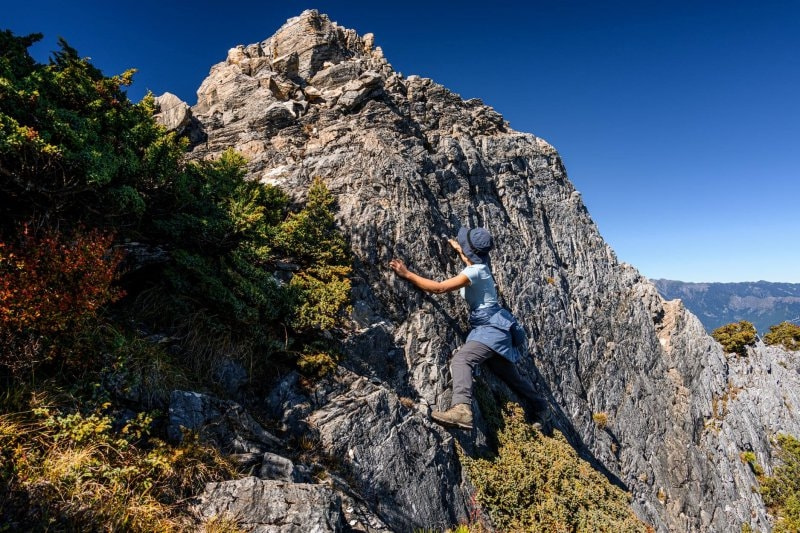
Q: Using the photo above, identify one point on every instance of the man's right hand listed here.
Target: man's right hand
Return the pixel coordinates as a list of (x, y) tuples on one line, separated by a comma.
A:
[(399, 268)]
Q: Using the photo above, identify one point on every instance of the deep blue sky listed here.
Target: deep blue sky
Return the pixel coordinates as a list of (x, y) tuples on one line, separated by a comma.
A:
[(678, 121)]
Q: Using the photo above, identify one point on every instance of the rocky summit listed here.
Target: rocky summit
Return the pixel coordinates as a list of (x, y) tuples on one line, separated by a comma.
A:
[(410, 161)]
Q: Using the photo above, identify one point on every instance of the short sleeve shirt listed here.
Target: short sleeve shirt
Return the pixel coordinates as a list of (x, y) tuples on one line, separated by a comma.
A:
[(480, 292)]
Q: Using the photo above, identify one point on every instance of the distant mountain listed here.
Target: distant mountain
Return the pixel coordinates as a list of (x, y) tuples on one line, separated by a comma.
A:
[(761, 302)]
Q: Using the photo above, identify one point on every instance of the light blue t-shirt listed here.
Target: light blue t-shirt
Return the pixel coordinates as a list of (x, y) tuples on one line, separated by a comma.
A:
[(480, 292)]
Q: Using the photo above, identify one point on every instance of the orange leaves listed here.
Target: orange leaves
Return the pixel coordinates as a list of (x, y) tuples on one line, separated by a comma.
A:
[(51, 284), (30, 133)]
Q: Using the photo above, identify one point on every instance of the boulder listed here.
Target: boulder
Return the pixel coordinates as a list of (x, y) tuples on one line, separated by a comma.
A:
[(172, 112), (269, 506), (275, 467)]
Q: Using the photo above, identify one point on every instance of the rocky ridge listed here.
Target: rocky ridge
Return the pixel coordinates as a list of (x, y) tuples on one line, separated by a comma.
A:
[(409, 161)]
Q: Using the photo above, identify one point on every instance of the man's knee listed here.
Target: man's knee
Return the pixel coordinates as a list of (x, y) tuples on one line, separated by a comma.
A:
[(474, 352)]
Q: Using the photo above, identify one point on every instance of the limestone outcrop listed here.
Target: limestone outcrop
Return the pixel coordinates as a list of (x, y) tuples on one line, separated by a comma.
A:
[(172, 112), (410, 161)]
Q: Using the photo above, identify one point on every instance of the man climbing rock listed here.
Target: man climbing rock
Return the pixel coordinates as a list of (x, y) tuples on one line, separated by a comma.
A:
[(495, 332)]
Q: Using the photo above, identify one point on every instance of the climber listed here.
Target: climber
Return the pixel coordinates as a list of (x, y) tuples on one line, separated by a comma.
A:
[(495, 334)]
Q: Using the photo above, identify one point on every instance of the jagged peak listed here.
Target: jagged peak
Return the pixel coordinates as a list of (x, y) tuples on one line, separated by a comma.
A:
[(306, 44)]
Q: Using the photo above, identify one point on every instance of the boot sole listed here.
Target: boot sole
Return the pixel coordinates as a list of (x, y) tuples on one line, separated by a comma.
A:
[(449, 423)]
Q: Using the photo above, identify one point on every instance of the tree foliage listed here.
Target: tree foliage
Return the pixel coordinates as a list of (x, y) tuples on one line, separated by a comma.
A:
[(72, 146), (83, 171), (786, 334), (310, 237), (74, 151), (736, 337), (51, 288), (781, 491)]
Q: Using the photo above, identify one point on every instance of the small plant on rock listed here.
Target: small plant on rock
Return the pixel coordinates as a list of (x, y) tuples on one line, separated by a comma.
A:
[(736, 337), (786, 334), (600, 420), (749, 458)]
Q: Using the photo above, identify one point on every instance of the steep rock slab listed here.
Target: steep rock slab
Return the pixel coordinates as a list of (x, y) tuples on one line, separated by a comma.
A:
[(409, 161), (406, 469)]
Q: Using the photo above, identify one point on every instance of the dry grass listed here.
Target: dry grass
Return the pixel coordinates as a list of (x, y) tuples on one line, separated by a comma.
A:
[(221, 524), (65, 470), (600, 420), (406, 402)]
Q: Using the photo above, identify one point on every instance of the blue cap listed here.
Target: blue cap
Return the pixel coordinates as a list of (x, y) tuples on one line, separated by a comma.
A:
[(475, 243)]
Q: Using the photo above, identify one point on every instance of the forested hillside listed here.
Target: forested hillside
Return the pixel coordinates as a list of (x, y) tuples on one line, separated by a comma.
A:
[(763, 303)]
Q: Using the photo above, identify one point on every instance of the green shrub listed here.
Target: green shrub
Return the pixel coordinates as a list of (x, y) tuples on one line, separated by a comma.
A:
[(736, 337), (72, 146), (786, 334), (316, 363), (538, 483), (74, 150), (310, 237), (229, 234), (749, 458), (781, 491), (222, 228)]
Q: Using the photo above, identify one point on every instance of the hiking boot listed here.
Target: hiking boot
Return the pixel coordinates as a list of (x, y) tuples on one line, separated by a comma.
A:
[(459, 416)]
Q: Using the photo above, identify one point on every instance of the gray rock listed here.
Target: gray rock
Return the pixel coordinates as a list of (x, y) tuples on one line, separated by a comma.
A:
[(409, 160), (356, 92), (403, 464), (336, 75), (224, 423), (290, 405), (172, 112), (268, 506), (314, 41), (231, 376), (276, 467)]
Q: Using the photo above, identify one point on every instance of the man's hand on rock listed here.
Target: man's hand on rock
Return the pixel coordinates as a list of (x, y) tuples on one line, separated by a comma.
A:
[(455, 245), (399, 268)]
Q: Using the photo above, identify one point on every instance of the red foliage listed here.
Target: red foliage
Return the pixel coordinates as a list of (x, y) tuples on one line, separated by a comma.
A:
[(51, 287)]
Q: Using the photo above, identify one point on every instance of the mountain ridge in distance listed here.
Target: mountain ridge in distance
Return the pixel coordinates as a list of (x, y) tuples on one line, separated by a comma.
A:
[(764, 303)]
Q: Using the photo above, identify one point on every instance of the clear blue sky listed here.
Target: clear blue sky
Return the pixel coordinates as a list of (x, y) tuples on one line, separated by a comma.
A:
[(678, 121)]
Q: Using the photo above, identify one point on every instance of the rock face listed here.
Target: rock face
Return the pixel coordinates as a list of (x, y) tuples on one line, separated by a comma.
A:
[(408, 161), (266, 506), (224, 423)]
